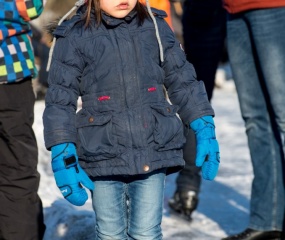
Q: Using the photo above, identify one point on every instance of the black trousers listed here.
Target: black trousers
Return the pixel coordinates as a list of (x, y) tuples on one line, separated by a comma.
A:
[(21, 213), (204, 33), (189, 178)]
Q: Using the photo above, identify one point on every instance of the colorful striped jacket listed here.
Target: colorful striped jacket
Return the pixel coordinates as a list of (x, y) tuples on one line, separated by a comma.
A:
[(16, 52)]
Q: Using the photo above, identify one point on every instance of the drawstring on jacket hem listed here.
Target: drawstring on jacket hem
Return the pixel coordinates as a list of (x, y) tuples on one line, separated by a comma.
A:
[(79, 3)]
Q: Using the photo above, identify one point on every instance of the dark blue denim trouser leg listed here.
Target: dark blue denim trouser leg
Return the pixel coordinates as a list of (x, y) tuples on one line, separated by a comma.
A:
[(257, 55)]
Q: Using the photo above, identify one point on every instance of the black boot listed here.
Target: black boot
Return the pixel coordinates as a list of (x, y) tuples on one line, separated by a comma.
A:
[(250, 234), (184, 202)]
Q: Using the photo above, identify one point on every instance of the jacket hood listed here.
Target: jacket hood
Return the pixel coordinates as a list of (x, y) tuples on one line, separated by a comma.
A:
[(81, 7)]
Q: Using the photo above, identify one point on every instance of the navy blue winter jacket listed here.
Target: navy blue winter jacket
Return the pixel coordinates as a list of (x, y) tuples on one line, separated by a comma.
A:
[(126, 125)]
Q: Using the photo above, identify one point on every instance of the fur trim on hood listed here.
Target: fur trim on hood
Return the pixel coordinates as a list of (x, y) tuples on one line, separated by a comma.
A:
[(50, 28)]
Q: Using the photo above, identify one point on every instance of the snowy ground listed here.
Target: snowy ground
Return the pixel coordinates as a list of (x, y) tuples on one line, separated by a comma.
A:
[(224, 202)]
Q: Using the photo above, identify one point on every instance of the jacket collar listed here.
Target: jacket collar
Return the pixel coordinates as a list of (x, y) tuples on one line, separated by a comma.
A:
[(111, 21)]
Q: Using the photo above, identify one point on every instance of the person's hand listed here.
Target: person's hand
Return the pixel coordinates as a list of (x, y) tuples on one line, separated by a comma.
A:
[(69, 176), (207, 154)]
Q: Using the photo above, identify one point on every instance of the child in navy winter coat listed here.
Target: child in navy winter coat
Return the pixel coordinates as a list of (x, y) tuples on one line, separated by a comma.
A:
[(118, 56)]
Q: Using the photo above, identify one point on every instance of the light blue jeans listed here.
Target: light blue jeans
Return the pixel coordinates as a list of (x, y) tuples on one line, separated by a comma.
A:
[(129, 207), (256, 47)]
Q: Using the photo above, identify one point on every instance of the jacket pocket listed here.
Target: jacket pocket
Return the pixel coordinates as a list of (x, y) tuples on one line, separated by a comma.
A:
[(168, 129), (95, 138)]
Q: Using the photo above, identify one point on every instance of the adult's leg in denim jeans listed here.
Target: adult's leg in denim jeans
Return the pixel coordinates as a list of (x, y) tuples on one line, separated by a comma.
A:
[(263, 141), (129, 207), (267, 33), (267, 27), (21, 215)]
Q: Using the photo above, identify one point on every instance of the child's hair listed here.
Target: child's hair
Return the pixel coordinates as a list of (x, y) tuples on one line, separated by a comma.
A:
[(95, 5)]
